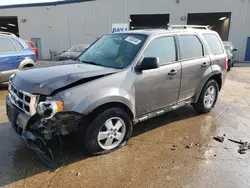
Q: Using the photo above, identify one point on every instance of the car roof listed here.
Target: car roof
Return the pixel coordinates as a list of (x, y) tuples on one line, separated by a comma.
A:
[(151, 32), (7, 36)]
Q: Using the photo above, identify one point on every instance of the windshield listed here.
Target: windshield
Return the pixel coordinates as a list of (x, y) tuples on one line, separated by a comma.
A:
[(115, 51), (78, 48)]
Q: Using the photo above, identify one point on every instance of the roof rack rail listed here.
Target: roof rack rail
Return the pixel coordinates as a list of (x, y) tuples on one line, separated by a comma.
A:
[(188, 27), (7, 33)]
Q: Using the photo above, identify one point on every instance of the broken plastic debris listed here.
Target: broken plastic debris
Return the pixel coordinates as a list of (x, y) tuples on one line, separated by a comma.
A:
[(189, 146), (219, 138), (235, 141), (243, 146)]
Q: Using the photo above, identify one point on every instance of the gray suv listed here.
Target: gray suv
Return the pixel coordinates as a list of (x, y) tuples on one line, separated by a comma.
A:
[(120, 80)]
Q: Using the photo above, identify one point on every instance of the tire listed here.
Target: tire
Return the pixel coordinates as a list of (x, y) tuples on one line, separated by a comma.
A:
[(201, 106), (103, 129)]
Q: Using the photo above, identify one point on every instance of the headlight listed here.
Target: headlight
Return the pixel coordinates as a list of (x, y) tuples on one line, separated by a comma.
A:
[(48, 109)]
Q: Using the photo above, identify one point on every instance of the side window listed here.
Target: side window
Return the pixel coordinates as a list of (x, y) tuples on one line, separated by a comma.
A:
[(18, 45), (163, 48), (6, 45), (213, 43), (190, 47)]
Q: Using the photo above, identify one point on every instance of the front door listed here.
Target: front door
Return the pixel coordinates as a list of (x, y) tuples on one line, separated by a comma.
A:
[(37, 42), (158, 88)]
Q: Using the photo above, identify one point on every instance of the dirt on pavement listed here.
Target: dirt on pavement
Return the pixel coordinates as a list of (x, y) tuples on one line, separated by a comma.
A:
[(156, 155)]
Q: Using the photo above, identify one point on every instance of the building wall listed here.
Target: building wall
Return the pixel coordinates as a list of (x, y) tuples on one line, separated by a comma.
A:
[(61, 26)]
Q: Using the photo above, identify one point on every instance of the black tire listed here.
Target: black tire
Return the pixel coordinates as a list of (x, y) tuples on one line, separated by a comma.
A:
[(91, 137), (199, 105)]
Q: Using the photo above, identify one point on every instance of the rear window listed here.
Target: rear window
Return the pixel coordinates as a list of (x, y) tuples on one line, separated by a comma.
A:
[(6, 45), (214, 43), (190, 47)]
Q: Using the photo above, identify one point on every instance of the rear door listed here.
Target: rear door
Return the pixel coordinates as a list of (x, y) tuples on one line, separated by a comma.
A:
[(22, 52), (195, 63), (158, 88), (218, 54)]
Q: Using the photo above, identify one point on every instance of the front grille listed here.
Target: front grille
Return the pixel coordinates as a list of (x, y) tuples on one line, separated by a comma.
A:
[(23, 100)]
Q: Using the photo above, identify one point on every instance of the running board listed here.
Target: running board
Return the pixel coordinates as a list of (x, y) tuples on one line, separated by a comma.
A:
[(162, 111)]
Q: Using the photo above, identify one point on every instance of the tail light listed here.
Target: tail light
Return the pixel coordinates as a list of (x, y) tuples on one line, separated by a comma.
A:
[(226, 63)]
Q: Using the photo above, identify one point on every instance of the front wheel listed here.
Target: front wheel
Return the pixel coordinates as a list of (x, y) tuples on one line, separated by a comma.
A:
[(109, 131), (208, 97)]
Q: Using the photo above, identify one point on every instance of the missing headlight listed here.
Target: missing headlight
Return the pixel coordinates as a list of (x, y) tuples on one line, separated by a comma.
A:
[(48, 109)]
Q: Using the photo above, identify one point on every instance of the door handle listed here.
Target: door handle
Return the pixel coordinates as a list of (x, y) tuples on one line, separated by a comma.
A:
[(204, 64), (172, 72), (19, 57)]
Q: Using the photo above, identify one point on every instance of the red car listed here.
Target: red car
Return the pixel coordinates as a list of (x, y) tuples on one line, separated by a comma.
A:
[(33, 47)]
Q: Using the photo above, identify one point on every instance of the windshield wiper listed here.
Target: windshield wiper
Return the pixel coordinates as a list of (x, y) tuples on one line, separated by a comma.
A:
[(91, 62)]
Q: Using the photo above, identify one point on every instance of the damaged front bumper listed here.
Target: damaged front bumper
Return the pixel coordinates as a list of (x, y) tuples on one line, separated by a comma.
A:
[(36, 131), (62, 123)]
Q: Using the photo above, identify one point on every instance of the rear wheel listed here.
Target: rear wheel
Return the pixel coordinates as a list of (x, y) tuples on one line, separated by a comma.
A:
[(109, 131), (208, 97)]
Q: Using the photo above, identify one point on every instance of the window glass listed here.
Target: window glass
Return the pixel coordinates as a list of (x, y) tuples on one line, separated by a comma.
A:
[(6, 45), (18, 45), (190, 47), (163, 48), (213, 43), (115, 51)]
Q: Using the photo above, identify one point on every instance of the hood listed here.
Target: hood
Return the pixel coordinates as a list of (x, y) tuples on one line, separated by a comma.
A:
[(46, 78)]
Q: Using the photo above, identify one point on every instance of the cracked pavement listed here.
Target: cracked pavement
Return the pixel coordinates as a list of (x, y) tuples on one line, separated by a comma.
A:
[(147, 160)]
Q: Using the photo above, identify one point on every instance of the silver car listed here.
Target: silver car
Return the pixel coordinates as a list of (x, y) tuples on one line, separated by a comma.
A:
[(120, 80), (73, 52)]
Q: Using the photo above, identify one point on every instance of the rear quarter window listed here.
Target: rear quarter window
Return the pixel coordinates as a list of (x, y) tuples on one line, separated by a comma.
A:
[(214, 43), (17, 44)]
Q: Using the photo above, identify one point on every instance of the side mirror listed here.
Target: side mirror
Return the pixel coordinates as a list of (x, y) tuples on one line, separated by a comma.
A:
[(148, 63), (235, 49)]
